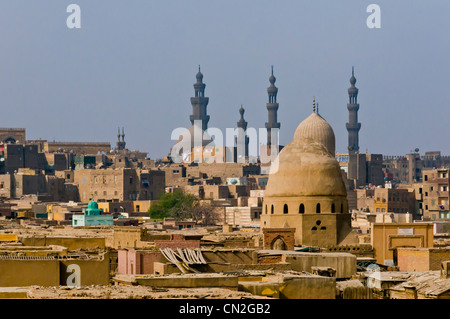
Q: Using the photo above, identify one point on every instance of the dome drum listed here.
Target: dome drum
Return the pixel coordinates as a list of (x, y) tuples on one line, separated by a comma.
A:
[(309, 205)]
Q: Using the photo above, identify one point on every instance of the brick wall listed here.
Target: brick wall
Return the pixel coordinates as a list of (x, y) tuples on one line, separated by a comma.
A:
[(270, 236), (437, 256)]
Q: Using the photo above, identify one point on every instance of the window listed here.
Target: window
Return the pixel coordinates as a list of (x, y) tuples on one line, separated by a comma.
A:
[(285, 209), (318, 208), (271, 209), (333, 208), (425, 177), (301, 209), (342, 208), (266, 209)]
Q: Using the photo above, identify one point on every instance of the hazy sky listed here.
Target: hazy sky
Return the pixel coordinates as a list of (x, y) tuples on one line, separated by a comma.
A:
[(133, 64)]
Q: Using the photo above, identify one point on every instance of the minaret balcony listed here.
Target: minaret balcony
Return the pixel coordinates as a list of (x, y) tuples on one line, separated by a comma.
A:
[(353, 126)]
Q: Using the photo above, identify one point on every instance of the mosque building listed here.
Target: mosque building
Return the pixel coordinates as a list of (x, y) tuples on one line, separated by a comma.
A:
[(306, 190)]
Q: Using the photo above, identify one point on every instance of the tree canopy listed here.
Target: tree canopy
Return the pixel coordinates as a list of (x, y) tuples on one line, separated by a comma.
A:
[(181, 205)]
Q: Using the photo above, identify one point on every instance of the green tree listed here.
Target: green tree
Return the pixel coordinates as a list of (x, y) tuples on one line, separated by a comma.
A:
[(178, 204)]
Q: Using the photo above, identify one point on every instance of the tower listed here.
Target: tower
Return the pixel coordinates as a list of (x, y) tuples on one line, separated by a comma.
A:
[(199, 102), (353, 126), (356, 161), (242, 140), (120, 144), (272, 125)]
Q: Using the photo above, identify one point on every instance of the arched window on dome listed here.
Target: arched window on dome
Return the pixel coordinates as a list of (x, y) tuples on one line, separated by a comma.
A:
[(333, 208), (285, 209), (271, 209), (301, 209), (318, 208), (266, 209)]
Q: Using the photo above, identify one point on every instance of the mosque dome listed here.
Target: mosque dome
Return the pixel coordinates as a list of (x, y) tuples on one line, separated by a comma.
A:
[(305, 167), (316, 128), (306, 189), (92, 205)]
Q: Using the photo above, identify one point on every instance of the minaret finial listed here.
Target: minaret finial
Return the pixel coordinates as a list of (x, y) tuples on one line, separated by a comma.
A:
[(272, 69), (314, 104), (353, 71), (199, 68)]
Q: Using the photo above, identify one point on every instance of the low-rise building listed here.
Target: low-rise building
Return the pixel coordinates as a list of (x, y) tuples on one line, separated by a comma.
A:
[(92, 216)]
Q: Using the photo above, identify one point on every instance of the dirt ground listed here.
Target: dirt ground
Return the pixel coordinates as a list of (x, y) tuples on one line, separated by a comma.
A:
[(135, 292)]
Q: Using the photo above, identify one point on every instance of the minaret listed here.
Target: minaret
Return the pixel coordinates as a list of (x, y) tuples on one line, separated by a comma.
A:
[(272, 125), (120, 145), (242, 136), (353, 126), (199, 102)]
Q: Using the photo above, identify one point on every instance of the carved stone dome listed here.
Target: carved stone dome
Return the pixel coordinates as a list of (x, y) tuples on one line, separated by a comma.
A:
[(316, 128)]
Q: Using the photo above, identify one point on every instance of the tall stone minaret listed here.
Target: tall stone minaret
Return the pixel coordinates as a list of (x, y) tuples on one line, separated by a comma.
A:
[(272, 125), (242, 140), (199, 102), (353, 126)]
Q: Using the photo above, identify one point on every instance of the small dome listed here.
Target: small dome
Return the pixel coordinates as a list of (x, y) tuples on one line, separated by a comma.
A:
[(272, 79), (199, 75), (241, 111), (316, 128), (92, 205)]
